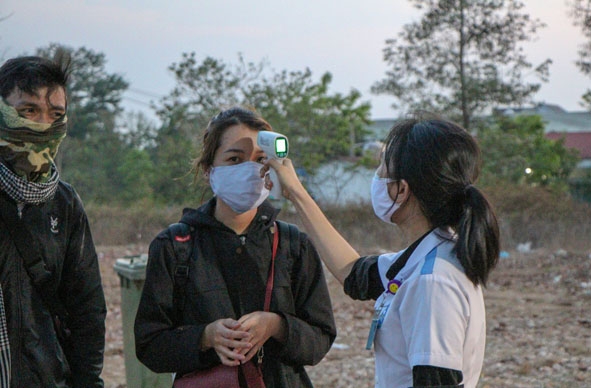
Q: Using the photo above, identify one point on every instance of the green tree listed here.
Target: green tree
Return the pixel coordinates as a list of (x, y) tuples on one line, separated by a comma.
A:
[(175, 148), (92, 152), (137, 130), (137, 172), (320, 125), (94, 95), (462, 58), (201, 90), (516, 150), (581, 13)]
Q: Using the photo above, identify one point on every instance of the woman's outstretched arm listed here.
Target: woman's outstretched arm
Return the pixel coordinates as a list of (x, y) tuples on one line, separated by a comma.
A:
[(336, 253)]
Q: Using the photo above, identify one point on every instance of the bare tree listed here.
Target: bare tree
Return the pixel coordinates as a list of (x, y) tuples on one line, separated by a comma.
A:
[(462, 58)]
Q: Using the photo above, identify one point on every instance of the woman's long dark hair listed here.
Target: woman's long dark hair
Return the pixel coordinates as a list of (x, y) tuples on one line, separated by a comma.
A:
[(440, 161)]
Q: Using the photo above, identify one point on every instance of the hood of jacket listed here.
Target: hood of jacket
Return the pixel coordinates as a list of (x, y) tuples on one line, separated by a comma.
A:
[(203, 217)]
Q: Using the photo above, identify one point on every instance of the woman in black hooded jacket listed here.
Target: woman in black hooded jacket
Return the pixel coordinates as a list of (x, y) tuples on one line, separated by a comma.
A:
[(220, 319)]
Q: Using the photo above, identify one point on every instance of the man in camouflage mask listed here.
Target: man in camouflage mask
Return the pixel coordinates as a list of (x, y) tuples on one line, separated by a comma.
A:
[(54, 303), (32, 125), (28, 146)]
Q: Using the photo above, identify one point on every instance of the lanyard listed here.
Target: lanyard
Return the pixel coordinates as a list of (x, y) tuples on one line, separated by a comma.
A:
[(393, 285), (401, 262)]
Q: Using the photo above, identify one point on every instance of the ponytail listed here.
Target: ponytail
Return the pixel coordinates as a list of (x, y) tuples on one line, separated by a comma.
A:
[(477, 245), (439, 159)]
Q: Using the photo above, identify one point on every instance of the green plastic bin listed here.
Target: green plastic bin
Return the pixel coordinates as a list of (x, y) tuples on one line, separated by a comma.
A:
[(132, 273)]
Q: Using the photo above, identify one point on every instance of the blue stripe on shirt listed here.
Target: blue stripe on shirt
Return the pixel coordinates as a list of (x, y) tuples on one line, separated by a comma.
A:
[(429, 262)]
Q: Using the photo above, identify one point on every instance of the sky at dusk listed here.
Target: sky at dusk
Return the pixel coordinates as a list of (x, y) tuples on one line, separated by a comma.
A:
[(141, 38)]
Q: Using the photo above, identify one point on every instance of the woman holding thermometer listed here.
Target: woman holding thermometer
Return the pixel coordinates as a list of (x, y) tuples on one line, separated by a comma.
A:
[(253, 290), (429, 327)]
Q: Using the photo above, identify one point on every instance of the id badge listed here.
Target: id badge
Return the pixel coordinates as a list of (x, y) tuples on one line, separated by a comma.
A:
[(376, 323)]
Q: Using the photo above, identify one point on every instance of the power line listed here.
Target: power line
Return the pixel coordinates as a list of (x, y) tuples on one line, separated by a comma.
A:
[(136, 101), (145, 93)]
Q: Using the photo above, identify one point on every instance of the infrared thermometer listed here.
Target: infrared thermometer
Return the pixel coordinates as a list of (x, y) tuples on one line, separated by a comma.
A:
[(276, 146)]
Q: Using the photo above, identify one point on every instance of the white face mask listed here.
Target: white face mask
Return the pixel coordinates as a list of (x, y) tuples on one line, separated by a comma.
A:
[(383, 205), (240, 186)]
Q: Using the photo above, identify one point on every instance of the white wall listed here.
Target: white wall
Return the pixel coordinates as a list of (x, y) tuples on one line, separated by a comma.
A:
[(335, 183)]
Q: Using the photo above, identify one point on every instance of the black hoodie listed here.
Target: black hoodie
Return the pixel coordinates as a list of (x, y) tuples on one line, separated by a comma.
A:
[(227, 279)]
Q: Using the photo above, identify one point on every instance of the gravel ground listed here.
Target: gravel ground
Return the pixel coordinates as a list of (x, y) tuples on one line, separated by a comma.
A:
[(538, 319)]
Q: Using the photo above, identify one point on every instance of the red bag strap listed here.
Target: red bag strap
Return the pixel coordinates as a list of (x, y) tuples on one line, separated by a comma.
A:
[(272, 270), (253, 375)]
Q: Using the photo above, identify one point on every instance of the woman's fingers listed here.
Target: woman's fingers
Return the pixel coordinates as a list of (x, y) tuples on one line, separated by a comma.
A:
[(230, 341), (287, 176), (250, 354), (230, 359), (230, 328)]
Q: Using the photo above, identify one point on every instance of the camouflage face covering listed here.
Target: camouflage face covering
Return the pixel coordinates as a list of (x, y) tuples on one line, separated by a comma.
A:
[(28, 147)]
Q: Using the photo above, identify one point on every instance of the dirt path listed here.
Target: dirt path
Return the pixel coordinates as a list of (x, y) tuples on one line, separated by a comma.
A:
[(538, 319)]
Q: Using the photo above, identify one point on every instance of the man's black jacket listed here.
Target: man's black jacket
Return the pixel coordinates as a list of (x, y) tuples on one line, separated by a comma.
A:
[(38, 359)]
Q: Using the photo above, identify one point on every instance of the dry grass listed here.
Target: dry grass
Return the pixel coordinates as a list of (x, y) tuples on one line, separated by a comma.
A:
[(537, 303), (546, 219), (525, 214)]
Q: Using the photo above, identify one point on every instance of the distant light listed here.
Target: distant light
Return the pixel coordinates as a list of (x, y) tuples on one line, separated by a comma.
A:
[(528, 171)]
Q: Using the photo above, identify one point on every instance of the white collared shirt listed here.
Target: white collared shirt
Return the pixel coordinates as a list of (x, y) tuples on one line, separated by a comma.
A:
[(436, 317)]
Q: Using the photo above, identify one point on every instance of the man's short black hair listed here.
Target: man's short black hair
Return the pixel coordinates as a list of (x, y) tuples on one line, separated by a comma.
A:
[(29, 73)]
